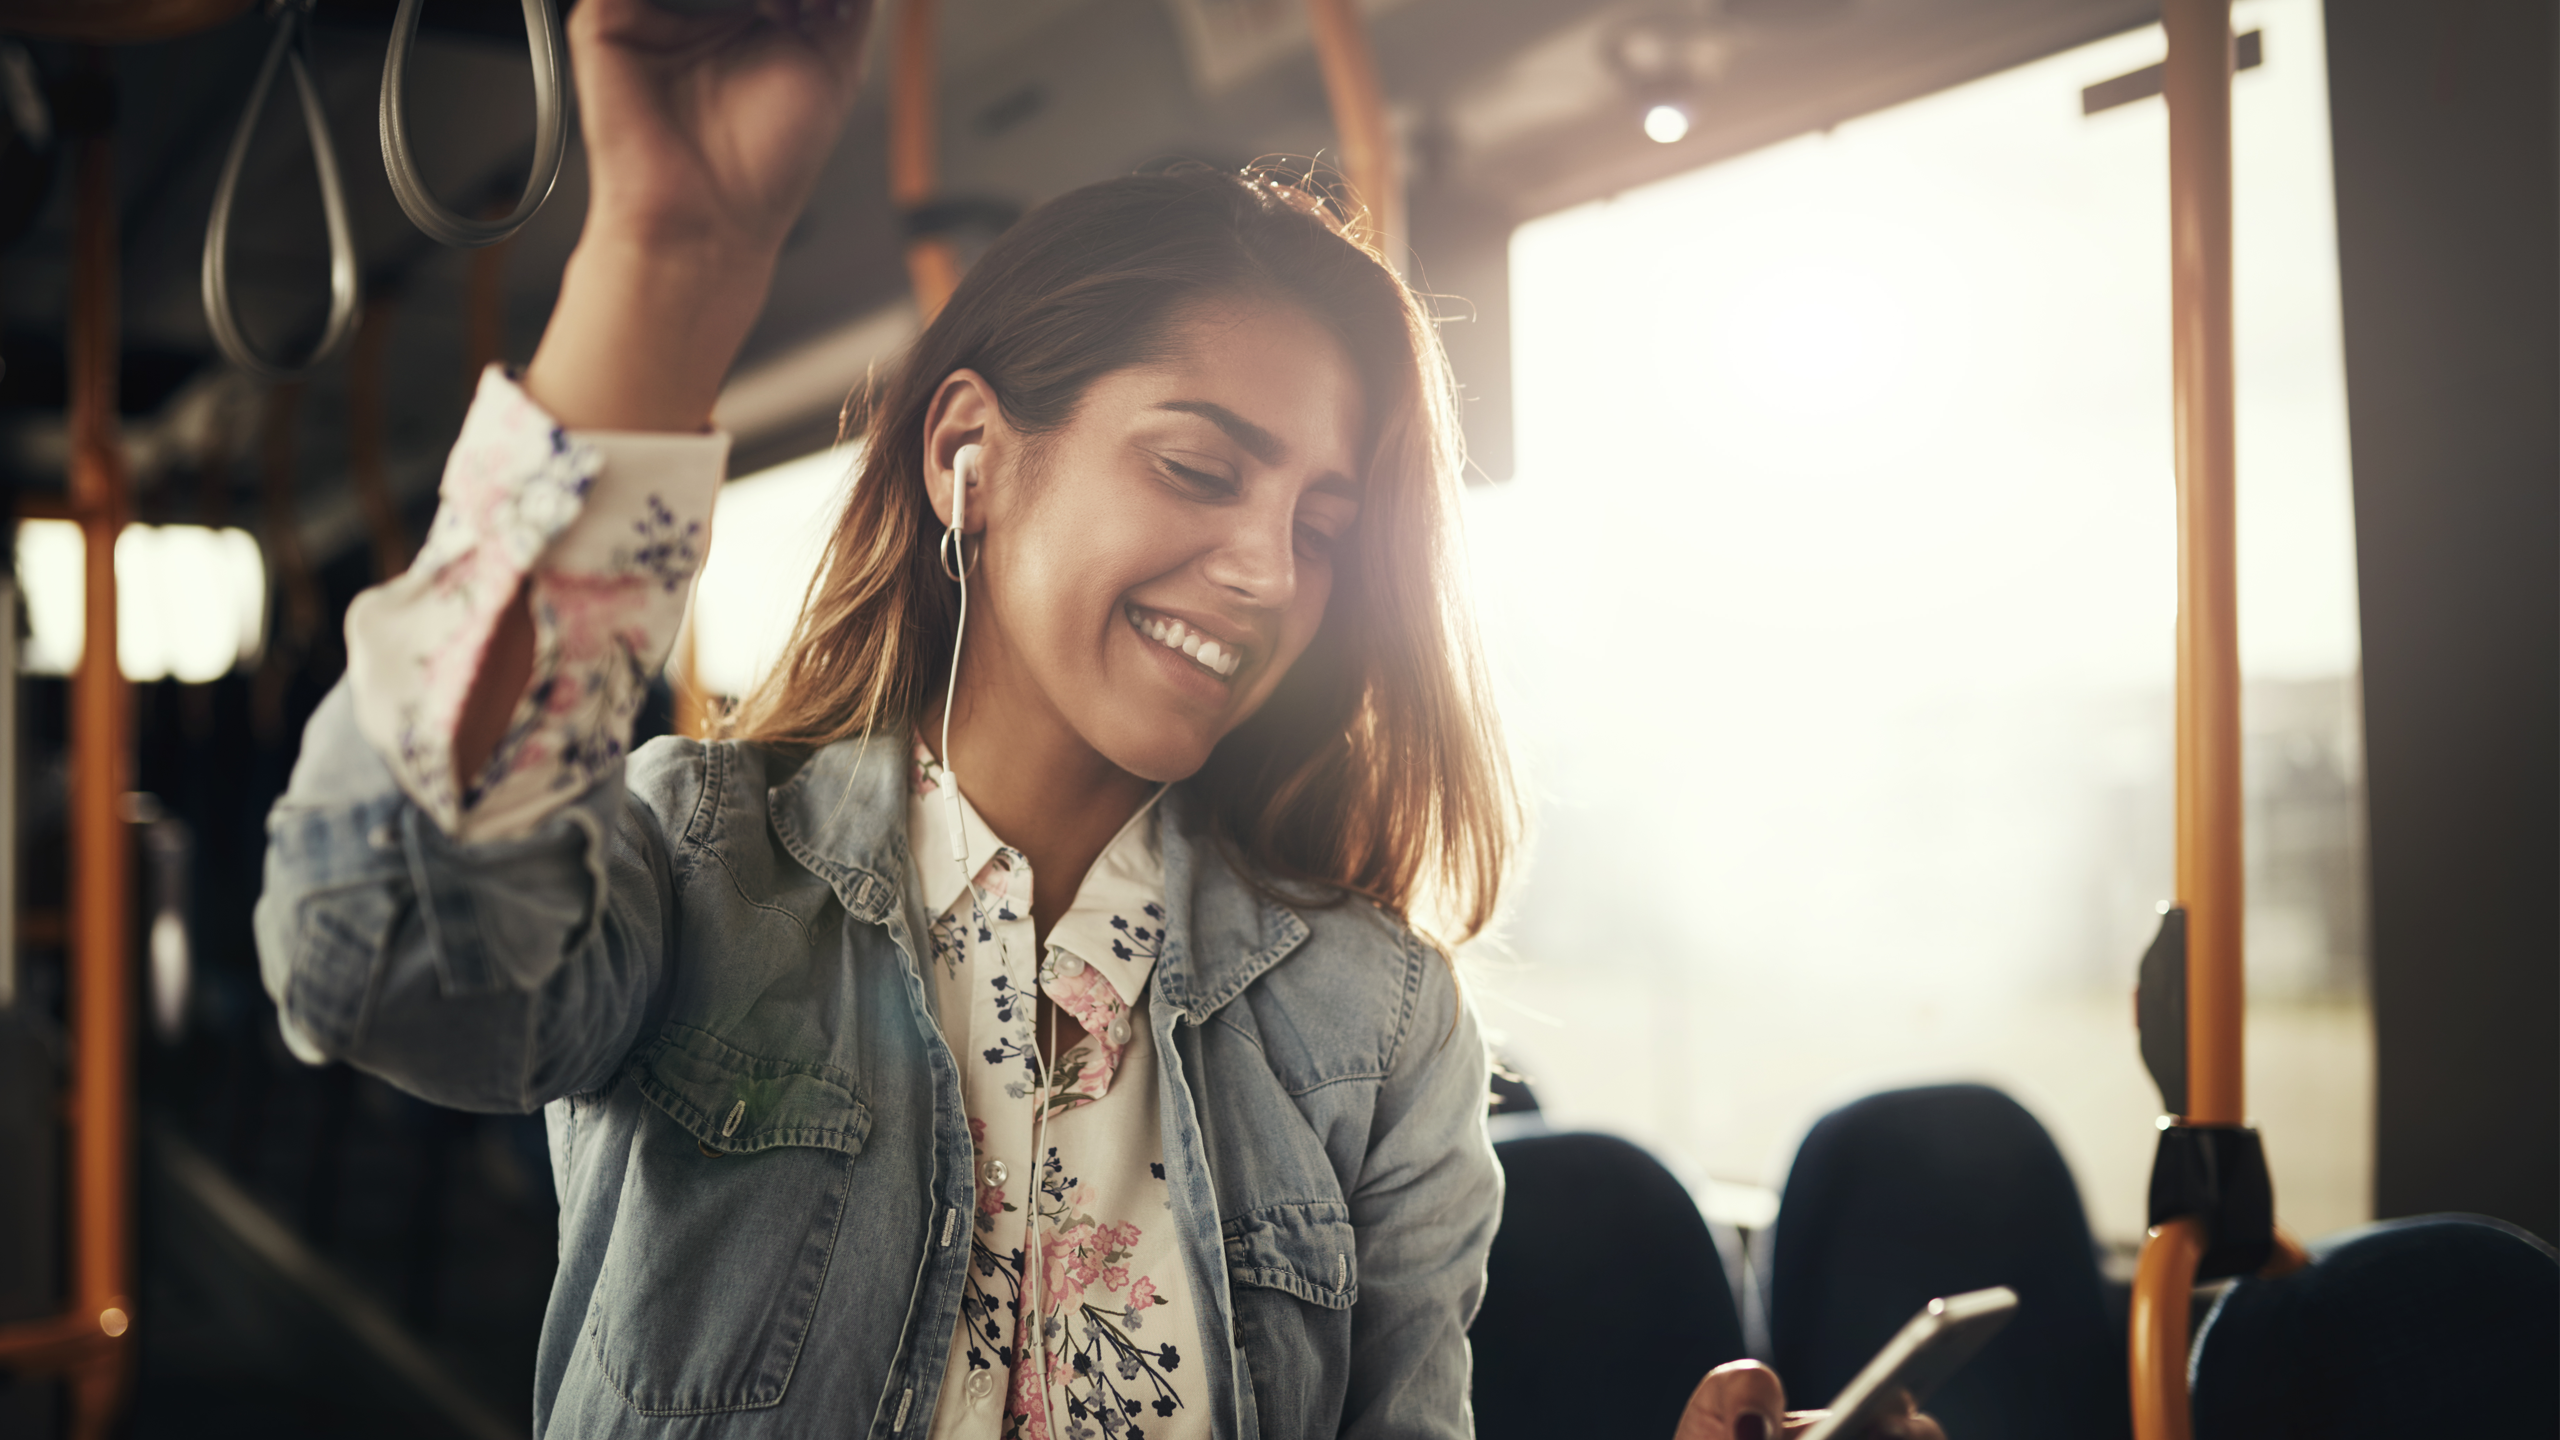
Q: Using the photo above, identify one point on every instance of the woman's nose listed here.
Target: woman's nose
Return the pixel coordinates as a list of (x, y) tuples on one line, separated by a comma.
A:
[(1257, 559)]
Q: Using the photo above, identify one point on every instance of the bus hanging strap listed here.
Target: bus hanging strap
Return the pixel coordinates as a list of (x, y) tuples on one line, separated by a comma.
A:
[(2216, 1173), (550, 49), (289, 49)]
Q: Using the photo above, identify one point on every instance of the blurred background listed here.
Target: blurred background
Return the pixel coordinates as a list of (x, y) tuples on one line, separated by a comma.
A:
[(1816, 383)]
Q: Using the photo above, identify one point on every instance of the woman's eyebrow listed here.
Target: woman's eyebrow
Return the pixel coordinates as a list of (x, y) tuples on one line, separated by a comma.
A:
[(1261, 444)]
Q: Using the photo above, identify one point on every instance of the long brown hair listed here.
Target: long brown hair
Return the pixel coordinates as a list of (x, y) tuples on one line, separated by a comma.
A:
[(1377, 766)]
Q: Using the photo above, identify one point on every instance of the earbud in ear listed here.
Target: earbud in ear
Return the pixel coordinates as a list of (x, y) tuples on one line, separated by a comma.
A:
[(964, 468)]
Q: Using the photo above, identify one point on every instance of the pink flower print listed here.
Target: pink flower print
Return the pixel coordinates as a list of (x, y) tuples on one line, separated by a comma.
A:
[(1143, 1294), (1115, 1277), (1067, 1263), (1024, 1404), (565, 693), (591, 613), (978, 1133), (1095, 1005)]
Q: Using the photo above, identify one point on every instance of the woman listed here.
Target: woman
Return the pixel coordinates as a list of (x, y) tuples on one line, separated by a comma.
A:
[(1113, 1089)]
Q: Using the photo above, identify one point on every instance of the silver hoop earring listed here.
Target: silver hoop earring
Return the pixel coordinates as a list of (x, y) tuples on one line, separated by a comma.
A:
[(954, 554)]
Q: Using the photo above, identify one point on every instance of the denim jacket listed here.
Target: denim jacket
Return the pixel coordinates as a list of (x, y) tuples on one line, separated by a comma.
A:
[(706, 971)]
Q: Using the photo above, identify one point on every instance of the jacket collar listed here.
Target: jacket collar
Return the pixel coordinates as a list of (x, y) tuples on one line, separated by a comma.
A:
[(843, 814)]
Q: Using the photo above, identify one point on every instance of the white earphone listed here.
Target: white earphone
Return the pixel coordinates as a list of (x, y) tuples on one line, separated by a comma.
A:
[(954, 552)]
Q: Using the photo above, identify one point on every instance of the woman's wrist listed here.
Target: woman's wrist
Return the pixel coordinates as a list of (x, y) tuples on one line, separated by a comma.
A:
[(644, 334)]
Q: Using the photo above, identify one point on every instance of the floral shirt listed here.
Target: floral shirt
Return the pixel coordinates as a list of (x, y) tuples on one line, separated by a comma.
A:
[(610, 528), (1071, 1219)]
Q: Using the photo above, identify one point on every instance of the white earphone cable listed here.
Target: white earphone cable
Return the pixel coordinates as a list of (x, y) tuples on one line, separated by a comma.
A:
[(955, 563), (954, 553)]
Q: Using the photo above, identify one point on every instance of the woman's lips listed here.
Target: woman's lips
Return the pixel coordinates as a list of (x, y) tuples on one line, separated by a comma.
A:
[(1222, 660)]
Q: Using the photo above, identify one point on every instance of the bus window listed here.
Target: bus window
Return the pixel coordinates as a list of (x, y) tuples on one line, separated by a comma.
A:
[(1835, 595)]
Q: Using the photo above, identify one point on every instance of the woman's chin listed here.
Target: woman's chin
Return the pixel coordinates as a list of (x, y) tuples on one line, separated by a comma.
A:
[(1158, 753)]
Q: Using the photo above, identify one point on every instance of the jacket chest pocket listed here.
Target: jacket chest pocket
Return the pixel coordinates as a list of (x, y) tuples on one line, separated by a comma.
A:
[(727, 1225), (1307, 1250), (1294, 1274)]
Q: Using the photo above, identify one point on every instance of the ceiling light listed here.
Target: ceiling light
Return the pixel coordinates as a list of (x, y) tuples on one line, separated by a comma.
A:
[(1666, 124)]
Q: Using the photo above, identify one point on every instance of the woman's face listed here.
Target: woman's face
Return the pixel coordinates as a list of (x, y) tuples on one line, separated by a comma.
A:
[(1152, 569)]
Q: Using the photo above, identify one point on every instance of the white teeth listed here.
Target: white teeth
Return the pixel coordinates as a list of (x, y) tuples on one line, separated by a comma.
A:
[(1174, 635)]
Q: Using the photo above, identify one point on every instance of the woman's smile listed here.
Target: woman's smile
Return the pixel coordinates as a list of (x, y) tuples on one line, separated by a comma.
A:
[(1205, 652)]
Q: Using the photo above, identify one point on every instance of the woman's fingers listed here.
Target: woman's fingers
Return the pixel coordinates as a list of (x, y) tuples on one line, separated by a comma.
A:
[(1906, 1423), (1740, 1401)]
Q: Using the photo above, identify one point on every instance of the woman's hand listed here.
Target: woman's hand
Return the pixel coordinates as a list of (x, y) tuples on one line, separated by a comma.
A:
[(708, 130), (1744, 1401), (704, 136)]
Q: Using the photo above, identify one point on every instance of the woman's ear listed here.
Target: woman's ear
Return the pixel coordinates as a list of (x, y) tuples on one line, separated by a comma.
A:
[(964, 412)]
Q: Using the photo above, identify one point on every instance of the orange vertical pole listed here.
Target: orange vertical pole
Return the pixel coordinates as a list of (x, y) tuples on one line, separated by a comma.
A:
[(2197, 80), (1360, 119), (933, 266), (101, 743), (2197, 83)]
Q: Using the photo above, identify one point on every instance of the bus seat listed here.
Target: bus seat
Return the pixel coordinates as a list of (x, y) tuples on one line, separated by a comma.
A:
[(2444, 1324), (1912, 1194), (1606, 1298)]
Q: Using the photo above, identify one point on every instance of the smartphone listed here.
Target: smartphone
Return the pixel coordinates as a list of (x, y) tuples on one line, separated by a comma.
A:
[(1938, 1341)]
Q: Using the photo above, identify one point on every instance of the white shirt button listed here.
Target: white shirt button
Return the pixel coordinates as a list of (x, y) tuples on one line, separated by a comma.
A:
[(981, 1384), (1119, 1031), (1070, 965), (994, 1174)]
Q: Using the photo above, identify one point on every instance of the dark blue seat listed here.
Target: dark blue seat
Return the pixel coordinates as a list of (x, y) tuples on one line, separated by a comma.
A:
[(1912, 1194), (1607, 1299), (2447, 1324)]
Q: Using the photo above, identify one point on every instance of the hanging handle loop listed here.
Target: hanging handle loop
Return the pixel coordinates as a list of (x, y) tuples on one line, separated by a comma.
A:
[(290, 48), (550, 130)]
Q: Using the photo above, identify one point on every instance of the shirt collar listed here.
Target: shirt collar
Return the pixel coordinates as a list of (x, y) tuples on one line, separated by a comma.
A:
[(1116, 922)]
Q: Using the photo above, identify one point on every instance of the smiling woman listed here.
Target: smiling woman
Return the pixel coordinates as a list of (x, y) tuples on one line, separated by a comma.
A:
[(1201, 405), (1089, 1061)]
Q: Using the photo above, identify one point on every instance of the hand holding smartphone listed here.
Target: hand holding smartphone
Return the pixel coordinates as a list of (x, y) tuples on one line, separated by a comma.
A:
[(1938, 1341)]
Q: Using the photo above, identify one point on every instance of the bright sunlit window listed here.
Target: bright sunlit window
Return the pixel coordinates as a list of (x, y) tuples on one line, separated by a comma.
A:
[(768, 535), (1834, 600), (191, 601)]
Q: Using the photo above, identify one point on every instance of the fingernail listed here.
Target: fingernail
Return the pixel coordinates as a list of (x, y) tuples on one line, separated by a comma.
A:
[(1750, 1425)]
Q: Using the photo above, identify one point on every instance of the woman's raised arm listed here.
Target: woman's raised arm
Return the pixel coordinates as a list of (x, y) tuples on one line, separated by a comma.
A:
[(704, 135), (459, 895)]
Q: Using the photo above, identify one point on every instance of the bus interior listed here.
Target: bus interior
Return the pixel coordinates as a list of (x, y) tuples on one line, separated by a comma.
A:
[(1838, 381)]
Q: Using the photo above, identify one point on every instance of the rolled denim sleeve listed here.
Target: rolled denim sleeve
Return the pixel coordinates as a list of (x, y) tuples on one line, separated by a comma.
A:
[(494, 941), (489, 975), (1427, 1203)]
